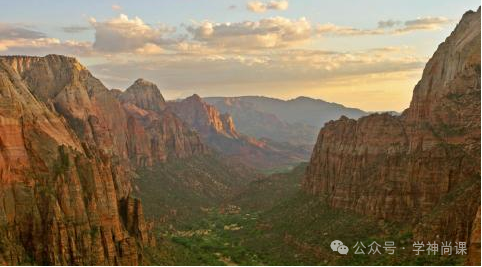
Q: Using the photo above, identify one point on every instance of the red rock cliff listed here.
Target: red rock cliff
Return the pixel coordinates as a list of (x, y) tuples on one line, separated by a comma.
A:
[(130, 126), (422, 166), (68, 146), (59, 197), (153, 133)]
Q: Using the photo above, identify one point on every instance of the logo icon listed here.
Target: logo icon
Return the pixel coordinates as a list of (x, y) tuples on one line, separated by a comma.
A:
[(343, 250), (338, 246)]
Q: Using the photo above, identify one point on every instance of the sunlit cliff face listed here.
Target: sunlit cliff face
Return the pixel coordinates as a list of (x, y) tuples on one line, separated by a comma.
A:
[(275, 48)]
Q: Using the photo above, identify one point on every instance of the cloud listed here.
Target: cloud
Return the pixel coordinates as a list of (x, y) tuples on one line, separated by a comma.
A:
[(150, 49), (277, 32), (260, 7), (426, 23), (12, 31), (216, 72), (122, 34), (332, 29), (232, 7), (385, 27), (43, 46), (278, 5), (16, 39)]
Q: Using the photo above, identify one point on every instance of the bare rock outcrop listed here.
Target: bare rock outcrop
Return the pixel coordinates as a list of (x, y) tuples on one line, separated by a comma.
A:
[(68, 149), (153, 133), (423, 166), (145, 95), (60, 198)]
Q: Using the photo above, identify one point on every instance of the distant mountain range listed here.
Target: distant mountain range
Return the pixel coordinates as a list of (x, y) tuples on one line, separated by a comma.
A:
[(219, 131), (296, 121)]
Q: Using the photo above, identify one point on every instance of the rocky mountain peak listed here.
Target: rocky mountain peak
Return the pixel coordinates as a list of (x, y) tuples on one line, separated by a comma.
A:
[(142, 81), (194, 98), (447, 72), (145, 95), (46, 151), (204, 117)]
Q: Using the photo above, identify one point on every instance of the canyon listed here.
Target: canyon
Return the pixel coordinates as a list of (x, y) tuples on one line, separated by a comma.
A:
[(98, 176), (73, 151)]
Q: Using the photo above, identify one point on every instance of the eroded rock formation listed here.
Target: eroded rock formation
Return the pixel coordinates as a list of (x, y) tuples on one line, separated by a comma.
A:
[(153, 133), (68, 148), (422, 166), (59, 196)]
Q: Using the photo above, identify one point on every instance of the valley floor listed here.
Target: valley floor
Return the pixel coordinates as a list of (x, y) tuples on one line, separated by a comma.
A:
[(273, 223)]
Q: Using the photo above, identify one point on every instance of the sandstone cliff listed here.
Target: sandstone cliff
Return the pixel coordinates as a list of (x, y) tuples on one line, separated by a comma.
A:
[(68, 148), (145, 95), (130, 126), (60, 198), (203, 117), (218, 131), (153, 133), (423, 166)]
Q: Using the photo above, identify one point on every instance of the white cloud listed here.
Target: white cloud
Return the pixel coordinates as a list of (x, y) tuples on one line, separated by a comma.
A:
[(42, 46), (260, 7), (274, 32), (150, 49), (256, 6), (278, 5), (122, 34)]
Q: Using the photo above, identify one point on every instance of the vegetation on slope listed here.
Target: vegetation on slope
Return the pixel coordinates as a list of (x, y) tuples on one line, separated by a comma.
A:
[(272, 223), (182, 187)]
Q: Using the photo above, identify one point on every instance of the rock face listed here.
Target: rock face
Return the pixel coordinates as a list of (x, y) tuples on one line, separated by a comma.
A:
[(203, 117), (131, 126), (218, 131), (153, 133), (66, 87), (145, 95), (68, 146), (60, 197), (422, 166)]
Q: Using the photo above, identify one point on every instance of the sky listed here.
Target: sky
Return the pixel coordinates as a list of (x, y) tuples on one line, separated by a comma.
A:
[(364, 54)]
